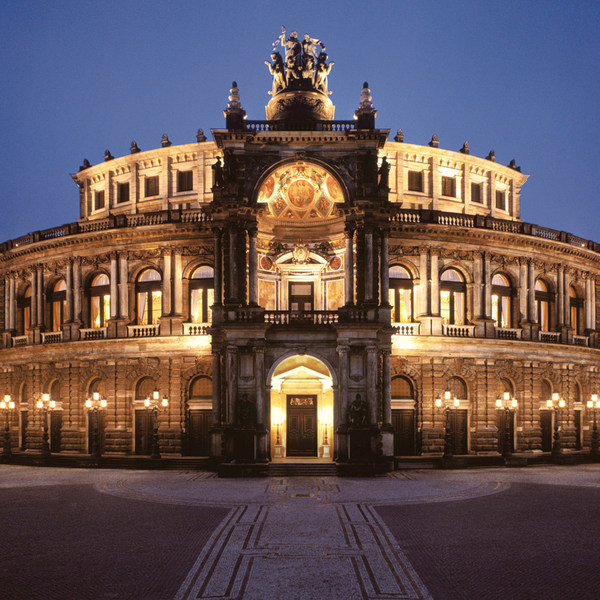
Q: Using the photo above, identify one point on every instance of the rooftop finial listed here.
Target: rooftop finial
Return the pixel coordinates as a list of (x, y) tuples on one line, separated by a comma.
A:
[(234, 113), (365, 115), (434, 143), (399, 137)]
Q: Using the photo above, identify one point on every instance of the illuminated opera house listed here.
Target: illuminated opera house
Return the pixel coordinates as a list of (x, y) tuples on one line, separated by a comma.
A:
[(299, 287)]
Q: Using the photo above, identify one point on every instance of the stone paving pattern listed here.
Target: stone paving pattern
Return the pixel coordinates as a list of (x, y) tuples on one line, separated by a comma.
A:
[(476, 534)]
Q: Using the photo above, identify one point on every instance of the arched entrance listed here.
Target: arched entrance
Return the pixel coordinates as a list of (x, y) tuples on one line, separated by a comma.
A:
[(302, 409)]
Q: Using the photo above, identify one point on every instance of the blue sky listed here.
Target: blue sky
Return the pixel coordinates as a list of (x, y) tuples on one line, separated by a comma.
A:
[(520, 77)]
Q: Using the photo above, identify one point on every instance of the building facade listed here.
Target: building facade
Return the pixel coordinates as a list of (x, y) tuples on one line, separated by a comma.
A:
[(300, 287)]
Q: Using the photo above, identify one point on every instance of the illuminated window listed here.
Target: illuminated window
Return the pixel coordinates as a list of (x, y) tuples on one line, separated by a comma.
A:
[(122, 192), (402, 388), (24, 312), (476, 193), (449, 187), (415, 181), (576, 311), (401, 295), (99, 301), (151, 186), (452, 297), (501, 301), (185, 181), (99, 200), (58, 304), (148, 297), (201, 294), (543, 300)]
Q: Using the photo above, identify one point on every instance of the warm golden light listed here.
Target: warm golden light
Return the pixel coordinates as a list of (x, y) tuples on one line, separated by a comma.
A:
[(498, 403), (447, 395), (165, 401), (277, 416), (561, 403), (156, 395), (46, 397), (549, 403), (438, 402), (88, 403), (103, 403), (456, 403), (39, 404), (327, 415), (555, 397), (514, 403), (506, 395), (52, 404), (147, 402)]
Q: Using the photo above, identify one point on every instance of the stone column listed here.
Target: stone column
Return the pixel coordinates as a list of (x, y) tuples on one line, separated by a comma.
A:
[(349, 267), (231, 374), (593, 301), (13, 304), (77, 290), (7, 303), (523, 292), (123, 291), (252, 267), (532, 316), (368, 265), (372, 383), (114, 290), (435, 285), (233, 267), (69, 292), (384, 284), (387, 388), (261, 418), (478, 277), (177, 283), (339, 415), (166, 283), (567, 299), (424, 277), (488, 286), (588, 305), (216, 390), (40, 296), (34, 298), (218, 267), (562, 318)]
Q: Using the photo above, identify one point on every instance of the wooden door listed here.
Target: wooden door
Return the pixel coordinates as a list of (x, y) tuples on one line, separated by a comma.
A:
[(577, 418), (143, 432), (501, 422), (301, 425), (55, 430), (403, 422), (546, 425), (199, 422), (101, 422), (459, 432), (301, 297)]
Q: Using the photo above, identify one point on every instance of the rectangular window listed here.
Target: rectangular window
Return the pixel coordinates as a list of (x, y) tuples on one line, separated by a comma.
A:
[(415, 181), (476, 195), (500, 200), (122, 192), (449, 187), (185, 181), (99, 200), (151, 186)]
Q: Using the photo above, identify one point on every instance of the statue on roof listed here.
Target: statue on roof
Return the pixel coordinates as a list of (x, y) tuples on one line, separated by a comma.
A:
[(304, 68)]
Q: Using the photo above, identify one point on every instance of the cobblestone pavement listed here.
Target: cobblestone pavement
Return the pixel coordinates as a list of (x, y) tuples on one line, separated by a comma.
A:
[(475, 534)]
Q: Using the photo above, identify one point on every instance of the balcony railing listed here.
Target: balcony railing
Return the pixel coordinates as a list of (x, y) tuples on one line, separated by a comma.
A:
[(550, 337), (458, 330), (140, 331), (505, 333), (53, 337), (580, 340), (97, 333), (406, 328), (20, 340), (195, 328), (314, 317)]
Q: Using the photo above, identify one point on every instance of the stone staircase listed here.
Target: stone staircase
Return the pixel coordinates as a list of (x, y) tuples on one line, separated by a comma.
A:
[(302, 469)]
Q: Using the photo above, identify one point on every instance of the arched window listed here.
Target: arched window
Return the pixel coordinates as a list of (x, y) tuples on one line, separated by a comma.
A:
[(452, 297), (402, 387), (457, 388), (148, 297), (24, 311), (201, 389), (145, 388), (576, 311), (501, 301), (401, 295), (99, 301), (201, 294), (546, 391), (504, 386), (58, 304), (543, 300)]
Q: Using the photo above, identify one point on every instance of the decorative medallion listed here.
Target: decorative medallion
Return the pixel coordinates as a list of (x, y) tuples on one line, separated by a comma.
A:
[(301, 193), (300, 254), (266, 264), (336, 263)]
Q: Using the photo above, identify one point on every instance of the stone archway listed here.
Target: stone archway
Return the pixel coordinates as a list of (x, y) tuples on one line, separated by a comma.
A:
[(302, 408)]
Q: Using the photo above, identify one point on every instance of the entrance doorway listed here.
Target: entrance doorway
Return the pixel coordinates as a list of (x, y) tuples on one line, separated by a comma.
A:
[(457, 420), (302, 425), (301, 296), (403, 422), (143, 432), (501, 422), (546, 426)]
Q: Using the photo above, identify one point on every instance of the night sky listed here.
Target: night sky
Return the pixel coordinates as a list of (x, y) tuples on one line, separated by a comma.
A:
[(520, 77)]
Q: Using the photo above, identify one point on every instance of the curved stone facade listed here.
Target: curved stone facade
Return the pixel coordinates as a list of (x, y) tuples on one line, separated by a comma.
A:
[(300, 293)]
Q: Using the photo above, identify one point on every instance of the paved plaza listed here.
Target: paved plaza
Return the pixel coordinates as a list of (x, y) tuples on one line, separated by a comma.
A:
[(475, 534)]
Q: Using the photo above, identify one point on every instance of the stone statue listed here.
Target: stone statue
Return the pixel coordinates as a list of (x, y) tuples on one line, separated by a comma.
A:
[(359, 413), (384, 174), (323, 70), (308, 46), (245, 412), (308, 70), (292, 71), (292, 44), (276, 69), (218, 177)]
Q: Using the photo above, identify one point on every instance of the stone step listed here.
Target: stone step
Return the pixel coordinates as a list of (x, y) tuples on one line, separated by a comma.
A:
[(302, 470)]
